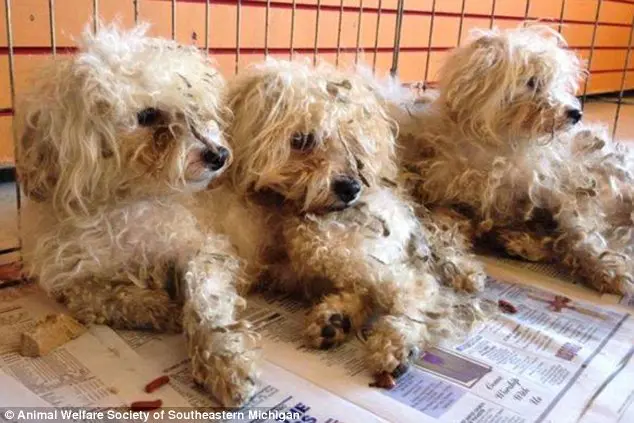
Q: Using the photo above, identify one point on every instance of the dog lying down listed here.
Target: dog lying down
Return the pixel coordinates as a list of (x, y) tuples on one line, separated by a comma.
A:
[(114, 139), (503, 144), (311, 204)]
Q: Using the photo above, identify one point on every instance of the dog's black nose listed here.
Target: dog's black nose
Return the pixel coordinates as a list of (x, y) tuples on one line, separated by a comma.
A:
[(215, 159), (347, 189), (574, 115)]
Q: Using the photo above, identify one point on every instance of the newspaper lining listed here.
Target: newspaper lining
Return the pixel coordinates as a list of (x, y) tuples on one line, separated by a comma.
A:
[(551, 361)]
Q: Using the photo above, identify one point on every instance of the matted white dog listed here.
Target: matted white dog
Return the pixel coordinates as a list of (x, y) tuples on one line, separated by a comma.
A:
[(113, 139), (312, 208), (503, 144)]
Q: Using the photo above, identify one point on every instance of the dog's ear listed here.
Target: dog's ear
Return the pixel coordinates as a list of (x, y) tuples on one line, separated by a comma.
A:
[(262, 115), (485, 41), (37, 164), (64, 138), (486, 38), (473, 81)]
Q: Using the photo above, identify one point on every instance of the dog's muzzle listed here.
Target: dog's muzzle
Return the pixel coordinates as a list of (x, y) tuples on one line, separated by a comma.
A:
[(215, 158), (347, 189)]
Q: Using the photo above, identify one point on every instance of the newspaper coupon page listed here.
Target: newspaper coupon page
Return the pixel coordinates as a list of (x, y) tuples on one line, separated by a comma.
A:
[(279, 390), (603, 389), (101, 370), (539, 364), (79, 373), (563, 356), (627, 301)]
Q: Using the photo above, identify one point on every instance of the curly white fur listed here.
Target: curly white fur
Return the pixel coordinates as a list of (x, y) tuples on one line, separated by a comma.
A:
[(312, 209), (113, 141), (502, 144)]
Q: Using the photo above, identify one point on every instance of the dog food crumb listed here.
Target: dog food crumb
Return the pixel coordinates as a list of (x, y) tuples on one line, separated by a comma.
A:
[(507, 307), (383, 380), (48, 334), (157, 383), (146, 405)]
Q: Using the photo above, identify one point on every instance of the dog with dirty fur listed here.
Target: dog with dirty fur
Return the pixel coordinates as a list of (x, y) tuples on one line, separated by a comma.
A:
[(503, 145), (113, 139), (312, 206)]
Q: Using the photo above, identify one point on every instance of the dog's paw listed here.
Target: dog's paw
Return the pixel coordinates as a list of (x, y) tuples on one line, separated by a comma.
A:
[(224, 363), (464, 275), (610, 272), (391, 349), (327, 328), (619, 284), (526, 246), (470, 282), (230, 379)]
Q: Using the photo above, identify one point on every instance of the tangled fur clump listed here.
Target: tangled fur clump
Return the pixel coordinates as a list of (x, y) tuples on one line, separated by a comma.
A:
[(502, 144), (113, 141), (312, 208)]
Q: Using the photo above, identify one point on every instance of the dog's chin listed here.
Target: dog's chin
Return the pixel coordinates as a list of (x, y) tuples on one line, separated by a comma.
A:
[(196, 186), (552, 131), (200, 179), (271, 198), (337, 206)]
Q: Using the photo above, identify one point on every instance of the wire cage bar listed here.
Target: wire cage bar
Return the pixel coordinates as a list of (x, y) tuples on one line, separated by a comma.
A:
[(377, 31), (173, 19), (397, 37), (339, 32), (592, 48), (95, 15), (316, 44), (11, 65), (51, 26), (619, 103), (430, 40), (266, 27), (207, 26)]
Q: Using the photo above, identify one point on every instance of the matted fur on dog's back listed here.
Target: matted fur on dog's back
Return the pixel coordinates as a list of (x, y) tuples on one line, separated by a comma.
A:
[(504, 144)]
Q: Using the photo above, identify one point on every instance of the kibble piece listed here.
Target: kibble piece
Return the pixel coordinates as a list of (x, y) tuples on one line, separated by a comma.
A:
[(48, 334), (383, 380), (507, 307), (157, 383), (146, 405)]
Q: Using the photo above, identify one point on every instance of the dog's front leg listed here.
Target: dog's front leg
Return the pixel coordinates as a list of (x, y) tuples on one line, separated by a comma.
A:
[(330, 322), (583, 249), (525, 244), (319, 251), (222, 348), (603, 269), (450, 256), (394, 342), (420, 316)]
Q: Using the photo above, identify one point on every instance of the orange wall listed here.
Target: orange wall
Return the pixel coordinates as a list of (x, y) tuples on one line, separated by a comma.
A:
[(31, 33)]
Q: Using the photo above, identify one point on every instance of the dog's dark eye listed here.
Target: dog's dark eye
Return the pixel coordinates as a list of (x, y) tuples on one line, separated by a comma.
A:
[(532, 83), (149, 116), (303, 142)]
